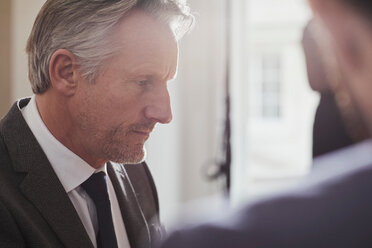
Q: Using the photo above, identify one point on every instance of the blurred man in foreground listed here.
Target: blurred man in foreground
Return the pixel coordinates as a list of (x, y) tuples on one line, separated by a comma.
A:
[(331, 207), (99, 71), (337, 122)]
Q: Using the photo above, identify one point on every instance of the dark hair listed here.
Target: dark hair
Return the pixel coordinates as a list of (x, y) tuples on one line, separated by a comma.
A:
[(362, 6)]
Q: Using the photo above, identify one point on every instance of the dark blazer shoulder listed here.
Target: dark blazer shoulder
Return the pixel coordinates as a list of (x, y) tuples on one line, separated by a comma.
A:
[(331, 207)]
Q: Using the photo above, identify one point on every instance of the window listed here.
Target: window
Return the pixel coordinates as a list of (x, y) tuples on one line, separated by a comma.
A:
[(273, 105), (270, 86)]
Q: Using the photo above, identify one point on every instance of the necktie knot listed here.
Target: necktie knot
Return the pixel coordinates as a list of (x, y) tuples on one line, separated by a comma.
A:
[(96, 187)]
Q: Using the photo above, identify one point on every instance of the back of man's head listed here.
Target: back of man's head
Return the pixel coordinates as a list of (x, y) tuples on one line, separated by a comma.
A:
[(362, 6)]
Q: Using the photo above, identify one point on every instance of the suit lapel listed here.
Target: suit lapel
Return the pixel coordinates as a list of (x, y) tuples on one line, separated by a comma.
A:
[(41, 185), (134, 220)]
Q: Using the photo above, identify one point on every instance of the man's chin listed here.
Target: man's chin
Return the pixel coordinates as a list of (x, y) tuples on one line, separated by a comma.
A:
[(135, 157)]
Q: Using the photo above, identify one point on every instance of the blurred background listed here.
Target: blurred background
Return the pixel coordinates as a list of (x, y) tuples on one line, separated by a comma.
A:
[(254, 47)]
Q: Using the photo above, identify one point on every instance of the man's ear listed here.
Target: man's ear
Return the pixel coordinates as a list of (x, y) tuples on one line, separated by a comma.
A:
[(62, 68)]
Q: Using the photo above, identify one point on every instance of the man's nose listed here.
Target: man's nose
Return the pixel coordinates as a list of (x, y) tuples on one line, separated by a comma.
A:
[(159, 108)]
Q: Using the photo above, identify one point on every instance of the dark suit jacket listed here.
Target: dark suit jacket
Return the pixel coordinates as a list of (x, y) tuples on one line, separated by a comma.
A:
[(35, 210), (332, 208), (329, 131)]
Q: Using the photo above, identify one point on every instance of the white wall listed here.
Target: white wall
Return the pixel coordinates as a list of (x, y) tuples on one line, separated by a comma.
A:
[(23, 15), (4, 56)]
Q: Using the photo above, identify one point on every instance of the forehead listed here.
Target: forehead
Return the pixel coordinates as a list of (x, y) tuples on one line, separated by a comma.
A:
[(144, 40)]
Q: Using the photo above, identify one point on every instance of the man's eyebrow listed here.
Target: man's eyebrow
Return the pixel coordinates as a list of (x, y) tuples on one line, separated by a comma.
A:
[(157, 76)]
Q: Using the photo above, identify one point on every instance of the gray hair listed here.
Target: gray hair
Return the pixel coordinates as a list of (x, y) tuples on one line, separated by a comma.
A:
[(83, 28)]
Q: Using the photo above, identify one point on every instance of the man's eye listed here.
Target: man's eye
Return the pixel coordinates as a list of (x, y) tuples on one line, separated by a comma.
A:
[(143, 82)]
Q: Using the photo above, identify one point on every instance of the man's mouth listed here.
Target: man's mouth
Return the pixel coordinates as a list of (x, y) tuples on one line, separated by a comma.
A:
[(143, 132)]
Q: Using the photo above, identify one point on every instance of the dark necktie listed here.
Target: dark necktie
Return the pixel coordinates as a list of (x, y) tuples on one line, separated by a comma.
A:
[(96, 188)]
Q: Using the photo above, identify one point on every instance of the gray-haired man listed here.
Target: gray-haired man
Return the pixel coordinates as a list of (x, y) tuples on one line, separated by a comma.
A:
[(99, 71)]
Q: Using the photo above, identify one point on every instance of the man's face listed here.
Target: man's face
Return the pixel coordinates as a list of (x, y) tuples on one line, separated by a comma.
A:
[(114, 116)]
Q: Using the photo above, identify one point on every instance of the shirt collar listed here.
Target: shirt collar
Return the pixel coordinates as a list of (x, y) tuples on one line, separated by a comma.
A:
[(69, 167)]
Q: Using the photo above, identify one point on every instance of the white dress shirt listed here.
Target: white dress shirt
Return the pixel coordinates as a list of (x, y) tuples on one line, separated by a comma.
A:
[(72, 171)]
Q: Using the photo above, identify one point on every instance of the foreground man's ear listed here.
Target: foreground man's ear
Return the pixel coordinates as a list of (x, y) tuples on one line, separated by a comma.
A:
[(62, 72)]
